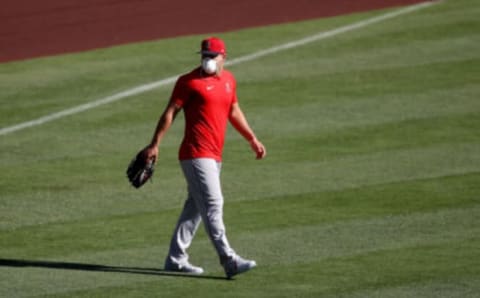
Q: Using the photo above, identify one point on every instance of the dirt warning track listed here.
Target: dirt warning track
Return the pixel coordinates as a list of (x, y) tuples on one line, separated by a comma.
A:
[(31, 28)]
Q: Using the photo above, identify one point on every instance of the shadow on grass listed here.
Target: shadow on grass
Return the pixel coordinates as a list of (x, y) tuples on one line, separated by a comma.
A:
[(98, 268)]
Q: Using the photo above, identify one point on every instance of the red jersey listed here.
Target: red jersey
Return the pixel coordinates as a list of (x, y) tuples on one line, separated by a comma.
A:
[(206, 102)]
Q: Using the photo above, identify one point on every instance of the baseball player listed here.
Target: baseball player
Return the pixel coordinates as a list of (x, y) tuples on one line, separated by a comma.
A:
[(209, 101)]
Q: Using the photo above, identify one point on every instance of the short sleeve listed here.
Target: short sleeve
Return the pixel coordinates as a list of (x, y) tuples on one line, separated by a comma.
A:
[(181, 92)]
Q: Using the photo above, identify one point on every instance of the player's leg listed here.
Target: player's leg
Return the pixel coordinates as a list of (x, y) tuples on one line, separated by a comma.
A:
[(187, 225), (203, 177)]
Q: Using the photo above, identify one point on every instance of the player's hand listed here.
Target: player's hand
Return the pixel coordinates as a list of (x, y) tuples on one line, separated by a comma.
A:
[(258, 148), (150, 152)]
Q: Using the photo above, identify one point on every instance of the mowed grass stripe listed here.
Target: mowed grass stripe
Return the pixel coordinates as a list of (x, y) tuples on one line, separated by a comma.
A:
[(405, 272), (368, 169), (306, 247), (375, 138), (302, 176), (322, 208), (368, 276)]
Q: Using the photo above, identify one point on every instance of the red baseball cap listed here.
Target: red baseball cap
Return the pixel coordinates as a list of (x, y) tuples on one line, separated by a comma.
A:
[(213, 46)]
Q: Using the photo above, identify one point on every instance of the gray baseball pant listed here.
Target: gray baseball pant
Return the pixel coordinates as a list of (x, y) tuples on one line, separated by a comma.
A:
[(204, 202)]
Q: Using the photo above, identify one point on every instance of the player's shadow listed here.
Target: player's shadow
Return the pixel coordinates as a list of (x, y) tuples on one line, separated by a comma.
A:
[(98, 268)]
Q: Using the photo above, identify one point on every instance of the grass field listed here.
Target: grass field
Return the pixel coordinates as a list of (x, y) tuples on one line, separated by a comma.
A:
[(371, 187)]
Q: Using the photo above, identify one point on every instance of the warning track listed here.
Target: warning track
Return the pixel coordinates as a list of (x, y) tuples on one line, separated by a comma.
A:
[(31, 28)]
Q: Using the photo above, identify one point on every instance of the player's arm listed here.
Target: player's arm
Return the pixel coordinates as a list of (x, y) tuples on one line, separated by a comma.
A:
[(164, 123), (239, 122)]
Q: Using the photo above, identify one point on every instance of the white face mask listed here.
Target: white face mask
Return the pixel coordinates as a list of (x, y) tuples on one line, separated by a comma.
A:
[(209, 65)]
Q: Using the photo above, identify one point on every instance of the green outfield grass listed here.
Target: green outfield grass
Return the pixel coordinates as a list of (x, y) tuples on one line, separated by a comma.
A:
[(371, 187)]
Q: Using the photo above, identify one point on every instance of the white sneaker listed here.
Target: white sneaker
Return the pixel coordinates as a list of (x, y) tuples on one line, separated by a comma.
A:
[(184, 268), (237, 265)]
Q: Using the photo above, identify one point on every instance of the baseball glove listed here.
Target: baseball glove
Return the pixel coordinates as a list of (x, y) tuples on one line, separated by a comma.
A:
[(140, 170)]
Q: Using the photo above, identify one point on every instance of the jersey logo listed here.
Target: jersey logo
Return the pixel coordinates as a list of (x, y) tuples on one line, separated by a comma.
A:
[(228, 88), (209, 87)]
